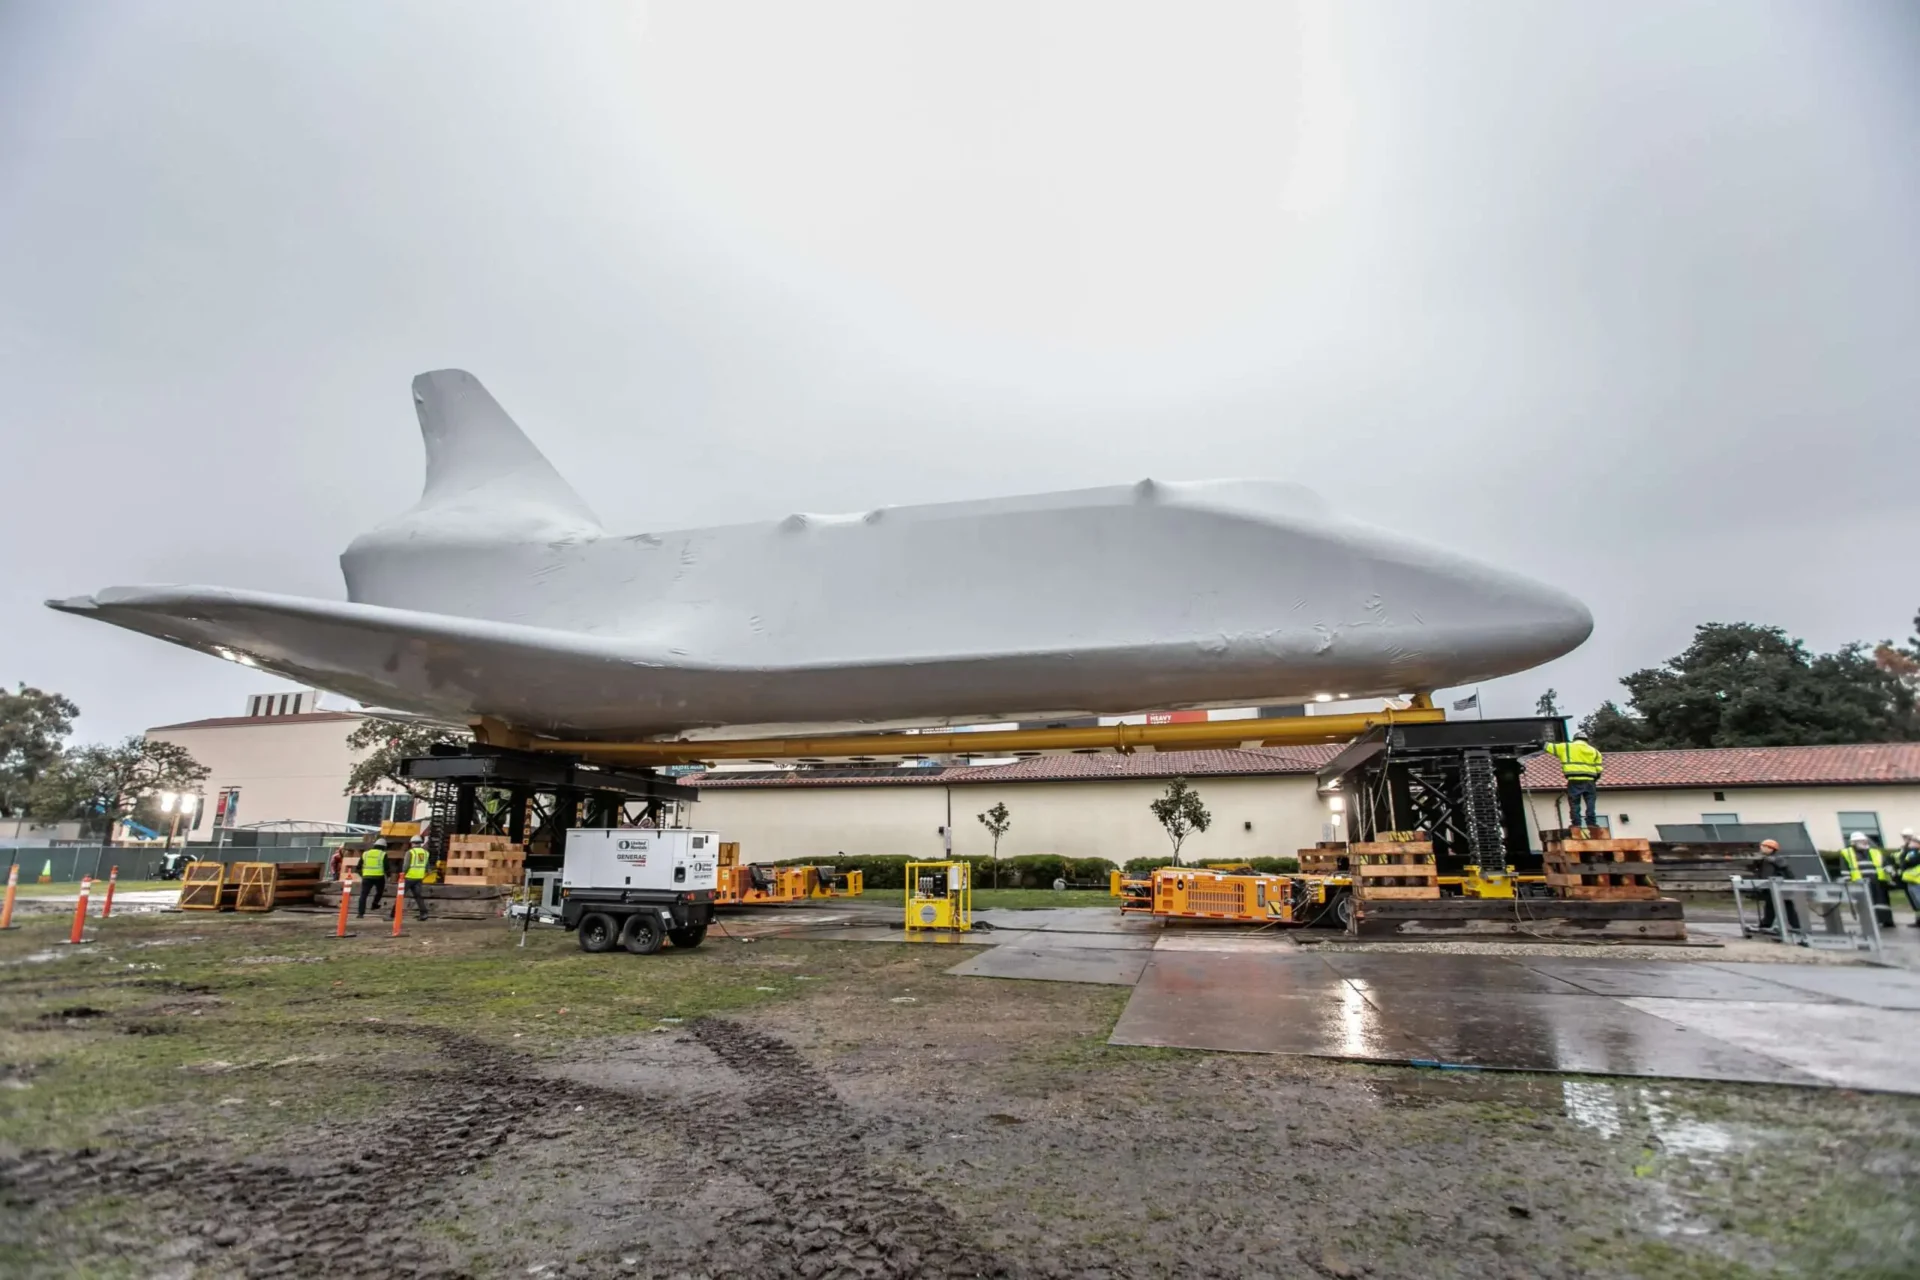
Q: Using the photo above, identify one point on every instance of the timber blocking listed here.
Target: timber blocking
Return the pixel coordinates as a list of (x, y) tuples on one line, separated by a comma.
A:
[(1582, 862)]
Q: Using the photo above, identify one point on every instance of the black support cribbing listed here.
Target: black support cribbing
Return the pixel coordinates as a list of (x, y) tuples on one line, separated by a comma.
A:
[(440, 820), (1483, 813)]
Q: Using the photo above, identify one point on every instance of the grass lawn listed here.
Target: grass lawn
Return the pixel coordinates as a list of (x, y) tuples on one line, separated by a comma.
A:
[(1018, 899)]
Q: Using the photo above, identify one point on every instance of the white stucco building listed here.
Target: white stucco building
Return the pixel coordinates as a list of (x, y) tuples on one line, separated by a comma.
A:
[(288, 761)]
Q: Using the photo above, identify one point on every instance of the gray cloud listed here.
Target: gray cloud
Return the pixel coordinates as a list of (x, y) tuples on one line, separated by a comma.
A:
[(1622, 296)]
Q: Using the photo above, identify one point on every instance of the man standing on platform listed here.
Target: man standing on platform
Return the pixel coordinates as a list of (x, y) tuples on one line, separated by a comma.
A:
[(1581, 764), (373, 876), (417, 878)]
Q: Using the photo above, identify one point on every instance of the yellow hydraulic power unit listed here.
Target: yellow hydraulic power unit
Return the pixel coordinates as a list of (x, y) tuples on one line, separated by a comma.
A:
[(939, 896)]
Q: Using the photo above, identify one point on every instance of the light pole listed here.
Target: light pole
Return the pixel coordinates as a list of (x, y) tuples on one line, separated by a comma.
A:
[(180, 805)]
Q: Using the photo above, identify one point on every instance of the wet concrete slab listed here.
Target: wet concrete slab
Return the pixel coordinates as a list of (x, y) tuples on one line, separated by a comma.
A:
[(1498, 1013), (1587, 1034), (1447, 973), (1261, 943), (1256, 1004), (1678, 981), (1105, 965), (1850, 1046), (1067, 920), (1875, 985)]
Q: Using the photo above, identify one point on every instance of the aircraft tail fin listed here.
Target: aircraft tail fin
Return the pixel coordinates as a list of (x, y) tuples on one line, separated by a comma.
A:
[(481, 465)]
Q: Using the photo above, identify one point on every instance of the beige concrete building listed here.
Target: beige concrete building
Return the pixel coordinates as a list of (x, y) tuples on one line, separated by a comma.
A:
[(287, 760), (1265, 802)]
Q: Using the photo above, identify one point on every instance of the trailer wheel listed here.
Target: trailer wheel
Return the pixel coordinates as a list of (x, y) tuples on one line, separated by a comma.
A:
[(597, 934), (1343, 910), (642, 933), (688, 938)]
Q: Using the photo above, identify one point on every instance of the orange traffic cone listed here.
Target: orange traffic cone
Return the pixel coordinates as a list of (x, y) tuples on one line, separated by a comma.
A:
[(80, 912), (113, 878), (13, 887)]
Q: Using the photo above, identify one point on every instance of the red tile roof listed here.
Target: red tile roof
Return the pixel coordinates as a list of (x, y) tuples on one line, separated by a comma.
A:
[(1865, 764), (222, 722), (1862, 765)]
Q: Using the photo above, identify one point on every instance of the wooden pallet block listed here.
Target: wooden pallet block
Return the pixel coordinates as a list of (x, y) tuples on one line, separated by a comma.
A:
[(1621, 893), (295, 883), (1385, 893)]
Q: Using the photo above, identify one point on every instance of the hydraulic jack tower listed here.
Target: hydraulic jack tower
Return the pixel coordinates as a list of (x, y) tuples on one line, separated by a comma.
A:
[(1460, 782)]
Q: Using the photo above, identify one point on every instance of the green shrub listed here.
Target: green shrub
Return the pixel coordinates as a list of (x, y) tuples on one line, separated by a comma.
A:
[(1138, 867)]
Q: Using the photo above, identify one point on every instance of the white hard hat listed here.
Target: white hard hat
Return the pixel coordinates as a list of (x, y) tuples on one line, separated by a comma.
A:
[(1580, 735), (1906, 831), (1858, 837)]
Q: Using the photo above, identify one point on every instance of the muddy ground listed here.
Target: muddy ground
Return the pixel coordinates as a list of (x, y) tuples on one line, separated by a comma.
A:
[(222, 1097)]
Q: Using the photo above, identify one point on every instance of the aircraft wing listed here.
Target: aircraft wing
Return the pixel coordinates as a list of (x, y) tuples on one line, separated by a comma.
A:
[(435, 665)]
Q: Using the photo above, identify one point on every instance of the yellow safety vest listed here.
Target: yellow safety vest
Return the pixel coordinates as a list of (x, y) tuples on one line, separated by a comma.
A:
[(1878, 870), (416, 863), (1579, 761), (1910, 866), (373, 863)]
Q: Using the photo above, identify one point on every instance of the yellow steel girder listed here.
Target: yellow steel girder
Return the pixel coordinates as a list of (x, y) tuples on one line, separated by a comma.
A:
[(1287, 731)]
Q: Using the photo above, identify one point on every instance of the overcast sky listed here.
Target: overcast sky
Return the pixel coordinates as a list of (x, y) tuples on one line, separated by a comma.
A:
[(1622, 295)]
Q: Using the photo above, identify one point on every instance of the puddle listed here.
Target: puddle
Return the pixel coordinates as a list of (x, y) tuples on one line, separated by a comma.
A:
[(39, 957), (1679, 1155)]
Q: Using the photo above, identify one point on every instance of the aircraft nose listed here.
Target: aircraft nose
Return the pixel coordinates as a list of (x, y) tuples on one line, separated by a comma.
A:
[(1461, 621)]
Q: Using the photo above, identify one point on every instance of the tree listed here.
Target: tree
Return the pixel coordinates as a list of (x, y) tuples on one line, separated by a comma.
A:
[(33, 727), (387, 743), (1902, 662), (1548, 704), (100, 785), (1742, 685), (996, 820), (1181, 813)]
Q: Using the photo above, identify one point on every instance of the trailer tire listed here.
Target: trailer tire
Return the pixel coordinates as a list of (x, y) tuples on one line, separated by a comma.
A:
[(642, 934), (1341, 908), (688, 938), (597, 933)]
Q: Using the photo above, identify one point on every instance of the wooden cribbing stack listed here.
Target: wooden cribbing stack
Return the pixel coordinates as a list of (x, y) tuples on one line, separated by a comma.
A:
[(482, 860), (1399, 865), (1586, 862), (1328, 858)]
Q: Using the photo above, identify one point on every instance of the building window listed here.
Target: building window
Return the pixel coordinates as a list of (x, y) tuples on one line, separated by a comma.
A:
[(1867, 822), (1720, 796), (1720, 819)]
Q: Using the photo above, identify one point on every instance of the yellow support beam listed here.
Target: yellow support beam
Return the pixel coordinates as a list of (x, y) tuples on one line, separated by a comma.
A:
[(1287, 731)]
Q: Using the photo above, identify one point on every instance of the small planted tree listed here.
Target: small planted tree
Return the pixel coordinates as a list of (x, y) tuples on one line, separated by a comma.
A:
[(1181, 813), (996, 820)]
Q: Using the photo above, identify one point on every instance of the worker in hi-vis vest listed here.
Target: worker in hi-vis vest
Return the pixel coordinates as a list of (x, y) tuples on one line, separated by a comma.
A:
[(1866, 862), (1582, 764), (373, 876), (416, 878), (1907, 863)]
